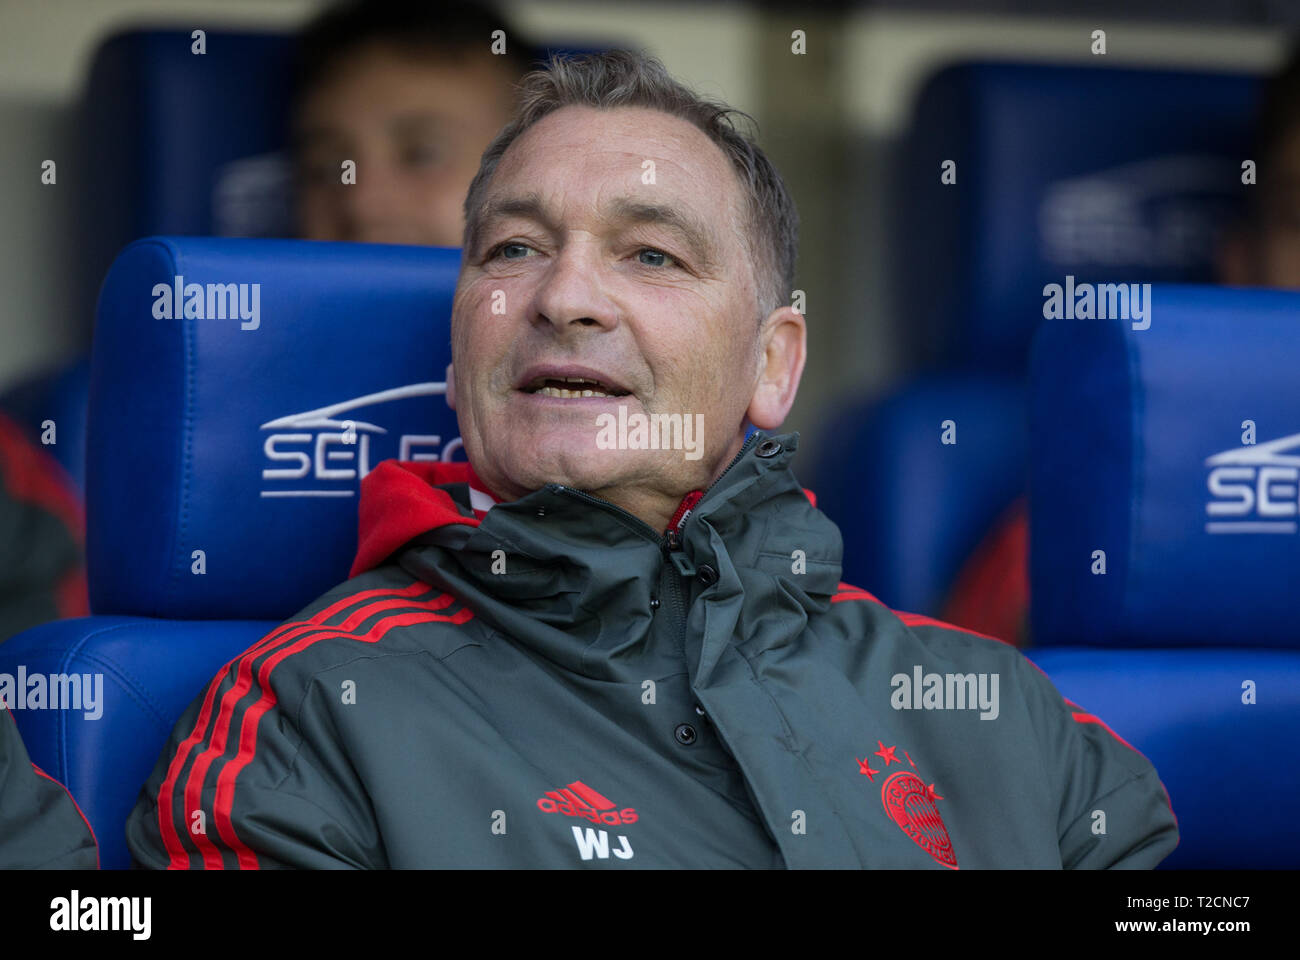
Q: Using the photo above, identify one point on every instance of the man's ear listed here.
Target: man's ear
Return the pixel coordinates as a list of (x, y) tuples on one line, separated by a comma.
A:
[(783, 344), (451, 386)]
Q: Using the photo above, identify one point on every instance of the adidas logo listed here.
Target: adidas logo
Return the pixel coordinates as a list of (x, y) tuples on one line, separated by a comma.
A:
[(579, 800)]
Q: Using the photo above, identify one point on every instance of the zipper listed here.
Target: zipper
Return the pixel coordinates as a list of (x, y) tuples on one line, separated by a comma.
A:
[(673, 538), (670, 542), (753, 437), (673, 550)]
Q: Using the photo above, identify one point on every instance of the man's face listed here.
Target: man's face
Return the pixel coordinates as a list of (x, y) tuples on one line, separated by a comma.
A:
[(415, 128), (610, 247)]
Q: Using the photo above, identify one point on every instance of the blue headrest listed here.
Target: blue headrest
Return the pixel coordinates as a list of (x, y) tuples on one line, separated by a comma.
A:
[(1100, 173), (183, 142), (1173, 449), (177, 133), (246, 438)]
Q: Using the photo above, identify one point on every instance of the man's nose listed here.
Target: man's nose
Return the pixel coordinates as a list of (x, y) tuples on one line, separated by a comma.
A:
[(572, 293)]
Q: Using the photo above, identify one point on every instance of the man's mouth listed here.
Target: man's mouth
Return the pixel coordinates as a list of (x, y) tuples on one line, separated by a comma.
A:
[(572, 388)]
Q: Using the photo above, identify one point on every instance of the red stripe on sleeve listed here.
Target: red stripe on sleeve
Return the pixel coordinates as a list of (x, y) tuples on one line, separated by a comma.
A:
[(919, 620), (243, 685), (849, 592), (166, 815), (225, 796), (1092, 718)]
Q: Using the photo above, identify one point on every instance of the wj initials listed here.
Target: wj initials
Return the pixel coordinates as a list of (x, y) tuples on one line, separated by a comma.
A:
[(596, 843)]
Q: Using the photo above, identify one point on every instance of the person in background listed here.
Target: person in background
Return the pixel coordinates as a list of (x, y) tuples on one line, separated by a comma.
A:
[(411, 93), (1262, 249)]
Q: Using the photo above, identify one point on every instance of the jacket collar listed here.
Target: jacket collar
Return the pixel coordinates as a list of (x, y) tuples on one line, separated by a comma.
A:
[(401, 499), (576, 576)]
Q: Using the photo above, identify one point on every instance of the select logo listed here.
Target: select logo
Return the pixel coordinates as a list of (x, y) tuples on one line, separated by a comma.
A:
[(327, 452), (1255, 488)]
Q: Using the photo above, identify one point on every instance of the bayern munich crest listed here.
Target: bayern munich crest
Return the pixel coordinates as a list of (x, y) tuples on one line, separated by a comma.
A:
[(910, 803)]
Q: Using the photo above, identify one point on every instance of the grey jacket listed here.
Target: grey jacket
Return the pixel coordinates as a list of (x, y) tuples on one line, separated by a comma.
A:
[(557, 684)]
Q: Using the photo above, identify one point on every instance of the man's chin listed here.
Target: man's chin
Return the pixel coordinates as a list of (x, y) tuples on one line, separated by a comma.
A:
[(592, 471), (575, 451), (600, 472)]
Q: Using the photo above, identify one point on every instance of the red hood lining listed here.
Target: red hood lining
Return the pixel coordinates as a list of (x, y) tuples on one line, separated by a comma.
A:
[(401, 499)]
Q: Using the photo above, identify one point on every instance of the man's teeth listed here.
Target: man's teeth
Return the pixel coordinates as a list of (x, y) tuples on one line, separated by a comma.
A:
[(582, 387), (571, 394)]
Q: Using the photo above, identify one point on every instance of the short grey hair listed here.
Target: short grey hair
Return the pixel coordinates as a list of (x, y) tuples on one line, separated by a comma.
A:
[(625, 78)]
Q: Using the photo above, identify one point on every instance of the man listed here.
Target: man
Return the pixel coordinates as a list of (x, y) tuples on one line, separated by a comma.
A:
[(410, 92), (569, 654)]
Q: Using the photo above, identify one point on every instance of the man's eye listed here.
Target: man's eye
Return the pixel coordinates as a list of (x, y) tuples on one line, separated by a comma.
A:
[(511, 251), (654, 258)]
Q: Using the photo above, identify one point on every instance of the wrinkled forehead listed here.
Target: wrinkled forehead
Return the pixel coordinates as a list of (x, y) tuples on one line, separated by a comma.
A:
[(587, 165)]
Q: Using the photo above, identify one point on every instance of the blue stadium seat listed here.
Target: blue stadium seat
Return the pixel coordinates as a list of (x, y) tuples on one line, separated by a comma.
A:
[(225, 452), (910, 508), (175, 142), (177, 136), (1107, 175), (1189, 642)]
